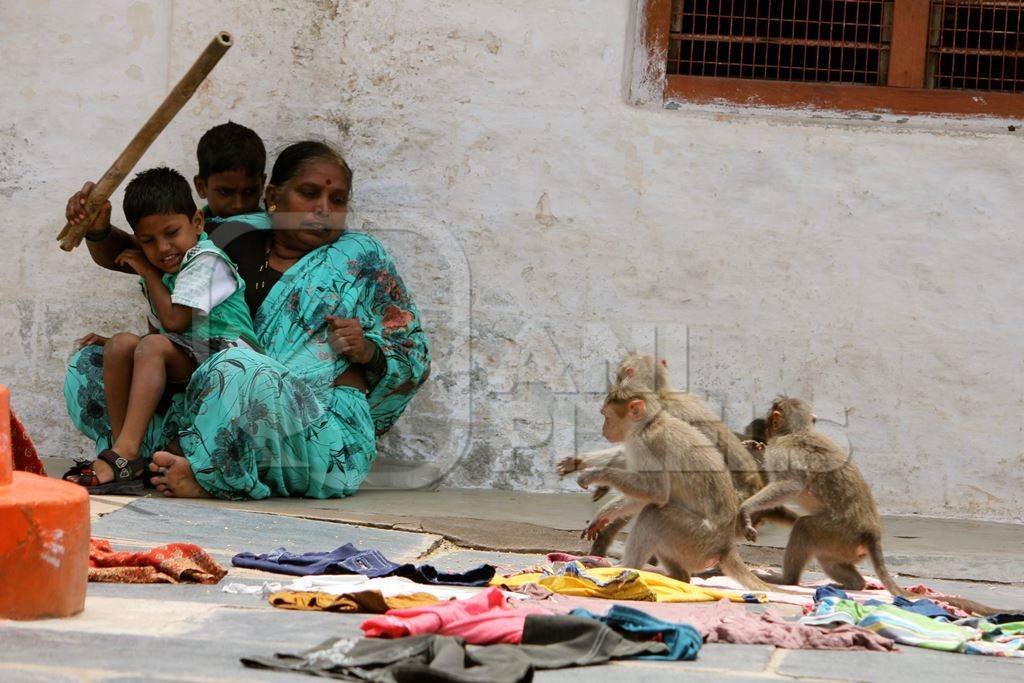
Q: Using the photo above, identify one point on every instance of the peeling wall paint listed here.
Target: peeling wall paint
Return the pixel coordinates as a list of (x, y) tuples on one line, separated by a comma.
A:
[(548, 213)]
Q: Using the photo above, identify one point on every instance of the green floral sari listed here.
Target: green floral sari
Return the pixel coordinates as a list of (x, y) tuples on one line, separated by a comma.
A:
[(254, 426)]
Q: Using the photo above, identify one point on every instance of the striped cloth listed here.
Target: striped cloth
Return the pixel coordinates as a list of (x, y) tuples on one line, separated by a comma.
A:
[(971, 636)]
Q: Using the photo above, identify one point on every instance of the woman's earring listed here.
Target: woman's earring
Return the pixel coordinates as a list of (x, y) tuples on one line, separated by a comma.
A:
[(273, 208)]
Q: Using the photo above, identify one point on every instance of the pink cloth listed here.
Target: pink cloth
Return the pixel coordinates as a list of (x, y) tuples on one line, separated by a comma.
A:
[(484, 619), (585, 560), (930, 593), (730, 622)]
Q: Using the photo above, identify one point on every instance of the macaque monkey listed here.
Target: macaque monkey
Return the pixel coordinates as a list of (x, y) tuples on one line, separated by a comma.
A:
[(673, 481), (842, 526), (743, 468)]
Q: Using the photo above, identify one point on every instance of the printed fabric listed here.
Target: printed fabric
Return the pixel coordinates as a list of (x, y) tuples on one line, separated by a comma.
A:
[(172, 563), (253, 426), (26, 458)]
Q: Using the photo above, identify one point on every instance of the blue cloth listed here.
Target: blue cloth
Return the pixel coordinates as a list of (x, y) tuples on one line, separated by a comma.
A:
[(923, 606), (344, 560), (830, 591), (349, 559), (683, 641)]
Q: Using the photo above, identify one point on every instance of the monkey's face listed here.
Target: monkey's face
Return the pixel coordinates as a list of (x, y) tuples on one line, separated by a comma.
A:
[(615, 427), (620, 419)]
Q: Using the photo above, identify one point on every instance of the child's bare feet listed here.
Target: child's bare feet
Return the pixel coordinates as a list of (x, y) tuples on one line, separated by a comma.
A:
[(175, 476)]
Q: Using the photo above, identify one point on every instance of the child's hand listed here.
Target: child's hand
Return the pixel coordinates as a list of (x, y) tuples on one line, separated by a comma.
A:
[(91, 339), (75, 211), (137, 261)]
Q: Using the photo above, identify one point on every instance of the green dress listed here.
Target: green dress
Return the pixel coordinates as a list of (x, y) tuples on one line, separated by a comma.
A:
[(254, 426)]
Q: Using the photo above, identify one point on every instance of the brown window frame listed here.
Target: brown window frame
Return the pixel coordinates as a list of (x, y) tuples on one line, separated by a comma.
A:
[(904, 94)]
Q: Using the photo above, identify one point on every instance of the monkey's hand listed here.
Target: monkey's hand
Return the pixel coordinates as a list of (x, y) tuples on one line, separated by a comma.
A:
[(749, 532), (754, 446), (588, 477), (595, 527), (599, 493), (567, 465)]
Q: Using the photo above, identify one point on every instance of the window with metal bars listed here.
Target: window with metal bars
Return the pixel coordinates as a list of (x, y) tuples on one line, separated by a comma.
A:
[(976, 45), (822, 41), (899, 56)]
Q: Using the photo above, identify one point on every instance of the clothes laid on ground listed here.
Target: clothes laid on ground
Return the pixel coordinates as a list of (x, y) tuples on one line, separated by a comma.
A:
[(369, 602), (25, 457), (682, 640), (348, 559), (617, 583), (484, 619), (802, 595), (728, 622), (344, 560), (972, 636), (173, 563), (548, 642)]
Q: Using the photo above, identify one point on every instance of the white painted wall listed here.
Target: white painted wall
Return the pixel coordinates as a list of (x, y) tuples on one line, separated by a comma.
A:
[(546, 224)]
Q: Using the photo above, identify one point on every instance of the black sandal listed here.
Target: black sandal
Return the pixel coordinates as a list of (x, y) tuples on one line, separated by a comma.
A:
[(128, 474)]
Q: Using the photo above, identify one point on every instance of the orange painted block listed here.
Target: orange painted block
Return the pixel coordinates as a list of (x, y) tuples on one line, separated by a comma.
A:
[(44, 539)]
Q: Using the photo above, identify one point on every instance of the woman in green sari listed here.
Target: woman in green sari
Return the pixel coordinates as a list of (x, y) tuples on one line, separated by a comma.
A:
[(344, 355)]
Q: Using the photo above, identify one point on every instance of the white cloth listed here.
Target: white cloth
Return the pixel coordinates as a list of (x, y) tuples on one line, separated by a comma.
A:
[(262, 589), (205, 282), (341, 584)]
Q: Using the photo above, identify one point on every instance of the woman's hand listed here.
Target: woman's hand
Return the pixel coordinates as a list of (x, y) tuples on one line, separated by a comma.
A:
[(91, 339), (137, 261), (347, 339)]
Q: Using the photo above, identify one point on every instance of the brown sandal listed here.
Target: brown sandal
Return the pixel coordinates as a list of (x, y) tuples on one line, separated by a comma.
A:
[(128, 474)]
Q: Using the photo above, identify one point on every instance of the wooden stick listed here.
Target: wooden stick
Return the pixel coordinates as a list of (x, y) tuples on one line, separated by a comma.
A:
[(71, 236)]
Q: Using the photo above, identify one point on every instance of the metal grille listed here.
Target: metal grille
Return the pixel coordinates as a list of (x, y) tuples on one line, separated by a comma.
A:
[(976, 45), (824, 41)]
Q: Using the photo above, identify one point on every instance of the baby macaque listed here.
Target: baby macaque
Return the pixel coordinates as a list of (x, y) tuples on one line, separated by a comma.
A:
[(843, 525), (674, 482)]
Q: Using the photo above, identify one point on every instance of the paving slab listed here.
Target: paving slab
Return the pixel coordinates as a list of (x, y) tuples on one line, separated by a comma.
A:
[(513, 521), (225, 532), (132, 655), (909, 664), (461, 560)]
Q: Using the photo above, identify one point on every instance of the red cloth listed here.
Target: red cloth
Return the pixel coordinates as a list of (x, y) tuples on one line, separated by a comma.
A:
[(173, 563), (483, 619), (26, 459)]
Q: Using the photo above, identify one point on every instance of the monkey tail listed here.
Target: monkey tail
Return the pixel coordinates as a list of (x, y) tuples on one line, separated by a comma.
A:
[(733, 566), (874, 547)]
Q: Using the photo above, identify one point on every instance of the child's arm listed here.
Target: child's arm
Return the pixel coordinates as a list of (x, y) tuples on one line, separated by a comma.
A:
[(173, 317), (105, 242)]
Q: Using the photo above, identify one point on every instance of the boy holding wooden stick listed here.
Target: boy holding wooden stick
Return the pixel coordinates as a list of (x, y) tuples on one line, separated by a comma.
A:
[(198, 308)]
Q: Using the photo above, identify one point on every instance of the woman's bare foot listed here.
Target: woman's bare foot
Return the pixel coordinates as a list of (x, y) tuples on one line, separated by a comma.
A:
[(175, 476)]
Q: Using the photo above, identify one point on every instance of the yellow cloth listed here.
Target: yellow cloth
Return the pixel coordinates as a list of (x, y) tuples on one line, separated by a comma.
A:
[(625, 584), (371, 602)]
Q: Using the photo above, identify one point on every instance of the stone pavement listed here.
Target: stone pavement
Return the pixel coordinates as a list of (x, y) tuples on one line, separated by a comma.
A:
[(198, 633)]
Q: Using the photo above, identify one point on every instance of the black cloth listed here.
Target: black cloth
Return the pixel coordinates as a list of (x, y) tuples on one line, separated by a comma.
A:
[(247, 247), (549, 642), (425, 573)]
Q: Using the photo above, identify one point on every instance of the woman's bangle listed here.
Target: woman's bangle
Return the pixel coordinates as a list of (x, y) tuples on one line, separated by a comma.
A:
[(102, 236)]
